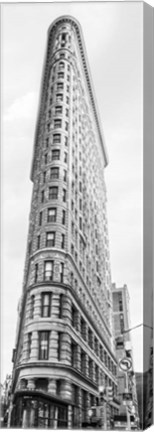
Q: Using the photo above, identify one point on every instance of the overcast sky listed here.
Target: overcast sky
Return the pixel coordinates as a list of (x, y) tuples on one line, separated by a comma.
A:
[(113, 39)]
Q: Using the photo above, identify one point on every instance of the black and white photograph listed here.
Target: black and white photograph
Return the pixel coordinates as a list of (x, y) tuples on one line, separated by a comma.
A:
[(73, 335)]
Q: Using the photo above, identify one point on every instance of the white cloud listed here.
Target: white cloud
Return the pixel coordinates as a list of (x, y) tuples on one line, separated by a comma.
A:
[(22, 108)]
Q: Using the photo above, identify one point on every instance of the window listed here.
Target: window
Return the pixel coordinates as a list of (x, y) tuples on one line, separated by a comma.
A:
[(29, 344), (68, 78), (36, 273), (72, 249), (83, 362), (61, 65), (62, 241), (44, 176), (121, 323), (90, 338), (74, 317), (101, 352), (59, 97), (96, 346), (66, 126), (58, 110), (120, 306), (63, 217), (105, 358), (40, 218), (58, 386), (80, 204), (72, 229), (61, 272), (49, 114), (61, 301), (54, 173), (55, 154), (80, 186), (67, 112), (63, 37), (46, 305), (56, 138), (64, 195), (48, 270), (90, 368), (51, 217), (65, 157), (46, 158), (38, 242), (60, 336), (50, 239), (74, 358), (96, 374), (65, 176), (60, 75), (32, 303), (120, 302), (60, 86), (44, 345), (42, 196), (57, 123), (47, 142), (83, 329), (53, 192), (66, 141), (80, 223), (67, 88), (67, 100)]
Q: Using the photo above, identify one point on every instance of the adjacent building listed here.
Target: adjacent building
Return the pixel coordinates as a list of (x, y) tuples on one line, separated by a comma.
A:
[(64, 345), (148, 384), (123, 346)]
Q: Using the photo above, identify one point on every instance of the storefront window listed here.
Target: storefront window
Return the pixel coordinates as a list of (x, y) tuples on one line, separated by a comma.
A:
[(39, 413)]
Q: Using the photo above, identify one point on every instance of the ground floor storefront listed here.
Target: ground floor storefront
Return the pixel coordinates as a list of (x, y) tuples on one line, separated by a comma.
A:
[(40, 412)]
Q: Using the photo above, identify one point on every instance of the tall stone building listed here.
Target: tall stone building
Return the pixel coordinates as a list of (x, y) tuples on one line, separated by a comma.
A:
[(123, 346), (64, 344)]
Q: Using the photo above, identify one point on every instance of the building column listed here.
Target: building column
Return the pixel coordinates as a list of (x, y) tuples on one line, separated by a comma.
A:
[(86, 332), (86, 365), (80, 406), (66, 390), (53, 346), (31, 384), (87, 405), (78, 357), (52, 387), (65, 354), (67, 309), (55, 306), (78, 322), (34, 347), (69, 426), (37, 306), (25, 347)]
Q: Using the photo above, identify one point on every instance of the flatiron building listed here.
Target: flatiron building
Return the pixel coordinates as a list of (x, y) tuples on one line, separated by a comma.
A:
[(64, 344)]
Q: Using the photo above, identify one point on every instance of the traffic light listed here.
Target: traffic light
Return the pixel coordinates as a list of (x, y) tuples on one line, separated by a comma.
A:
[(109, 393)]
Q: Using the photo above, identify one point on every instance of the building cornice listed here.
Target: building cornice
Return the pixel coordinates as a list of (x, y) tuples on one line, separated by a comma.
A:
[(75, 24)]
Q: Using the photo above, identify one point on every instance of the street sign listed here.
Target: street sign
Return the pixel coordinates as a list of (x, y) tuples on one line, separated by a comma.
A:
[(125, 364)]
